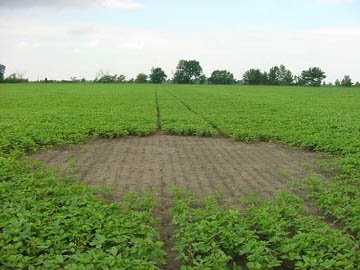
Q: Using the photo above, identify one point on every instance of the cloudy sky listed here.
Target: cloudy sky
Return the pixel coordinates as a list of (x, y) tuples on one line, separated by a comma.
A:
[(63, 38)]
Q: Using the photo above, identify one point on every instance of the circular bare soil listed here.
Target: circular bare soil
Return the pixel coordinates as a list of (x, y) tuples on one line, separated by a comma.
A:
[(204, 165), (207, 166)]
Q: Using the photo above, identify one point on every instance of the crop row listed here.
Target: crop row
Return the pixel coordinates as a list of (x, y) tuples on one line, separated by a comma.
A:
[(325, 120), (266, 235), (50, 224), (176, 119), (33, 115)]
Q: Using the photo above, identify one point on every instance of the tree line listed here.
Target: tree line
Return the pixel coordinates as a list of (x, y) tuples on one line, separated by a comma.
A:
[(191, 72), (12, 78)]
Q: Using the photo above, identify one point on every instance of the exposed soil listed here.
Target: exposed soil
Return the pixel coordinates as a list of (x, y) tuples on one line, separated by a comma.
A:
[(204, 165)]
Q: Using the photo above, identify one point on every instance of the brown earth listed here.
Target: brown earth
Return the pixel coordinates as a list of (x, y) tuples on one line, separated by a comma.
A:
[(204, 165)]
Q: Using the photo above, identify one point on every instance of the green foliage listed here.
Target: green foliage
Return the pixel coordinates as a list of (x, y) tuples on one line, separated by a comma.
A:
[(266, 235), (157, 75), (141, 78), (280, 76), (340, 200), (38, 115), (255, 77), (221, 77), (187, 72), (15, 78), (50, 224), (177, 119), (346, 82), (316, 119), (107, 78), (312, 77), (2, 72)]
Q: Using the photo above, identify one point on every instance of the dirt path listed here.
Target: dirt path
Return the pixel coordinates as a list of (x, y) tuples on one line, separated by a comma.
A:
[(204, 165)]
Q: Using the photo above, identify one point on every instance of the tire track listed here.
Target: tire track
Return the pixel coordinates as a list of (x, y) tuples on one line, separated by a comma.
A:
[(220, 133), (157, 110)]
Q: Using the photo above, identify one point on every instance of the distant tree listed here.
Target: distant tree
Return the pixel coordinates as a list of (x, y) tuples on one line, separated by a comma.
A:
[(330, 84), (312, 77), (255, 77), (2, 72), (141, 78), (357, 84), (187, 71), (324, 83), (132, 80), (15, 78), (239, 82), (274, 76), (121, 78), (221, 77), (157, 75), (346, 82), (337, 82), (202, 79), (107, 78), (83, 80), (286, 77), (297, 80)]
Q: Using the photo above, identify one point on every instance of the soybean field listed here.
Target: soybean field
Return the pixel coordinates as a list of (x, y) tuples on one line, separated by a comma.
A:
[(146, 176)]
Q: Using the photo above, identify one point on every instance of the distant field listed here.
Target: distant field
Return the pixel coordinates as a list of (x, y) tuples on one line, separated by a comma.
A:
[(42, 219)]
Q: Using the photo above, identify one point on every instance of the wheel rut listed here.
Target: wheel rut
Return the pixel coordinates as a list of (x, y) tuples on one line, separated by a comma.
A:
[(220, 133)]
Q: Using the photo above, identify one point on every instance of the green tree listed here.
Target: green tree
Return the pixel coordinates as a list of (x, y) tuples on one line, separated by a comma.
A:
[(141, 78), (15, 78), (221, 77), (337, 82), (312, 77), (187, 71), (120, 78), (357, 84), (346, 82), (157, 75), (2, 72), (107, 78), (274, 76), (202, 79), (255, 77), (286, 77)]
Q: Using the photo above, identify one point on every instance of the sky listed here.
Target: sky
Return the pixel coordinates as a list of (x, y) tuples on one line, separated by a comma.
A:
[(59, 39)]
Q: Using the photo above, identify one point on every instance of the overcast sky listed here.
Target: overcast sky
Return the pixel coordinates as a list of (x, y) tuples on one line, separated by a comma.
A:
[(58, 39)]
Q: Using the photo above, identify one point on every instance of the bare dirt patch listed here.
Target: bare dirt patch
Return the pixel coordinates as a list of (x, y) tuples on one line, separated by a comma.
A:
[(204, 165)]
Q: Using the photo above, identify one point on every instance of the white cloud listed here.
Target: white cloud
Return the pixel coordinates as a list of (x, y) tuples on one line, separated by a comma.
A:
[(60, 4), (117, 4), (82, 48), (81, 30), (336, 1), (93, 43), (27, 45), (132, 45), (353, 31)]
